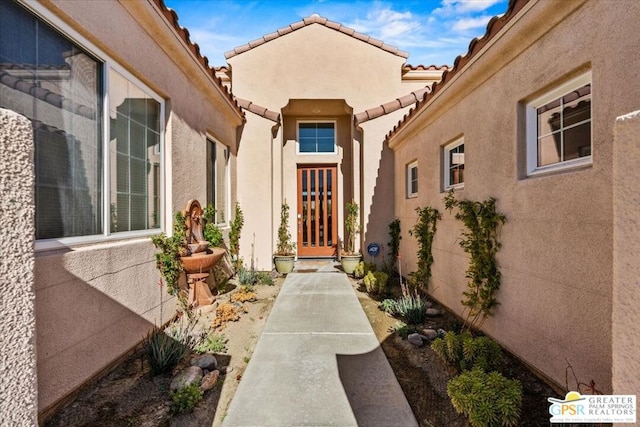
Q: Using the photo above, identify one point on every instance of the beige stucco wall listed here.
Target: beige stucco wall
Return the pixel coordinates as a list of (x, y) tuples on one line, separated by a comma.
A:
[(95, 302), (18, 384), (556, 259), (314, 63), (626, 247)]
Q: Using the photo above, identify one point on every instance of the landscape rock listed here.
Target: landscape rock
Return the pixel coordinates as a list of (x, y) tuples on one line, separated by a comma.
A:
[(209, 381), (225, 370), (191, 375), (430, 334), (433, 312), (415, 339), (205, 361)]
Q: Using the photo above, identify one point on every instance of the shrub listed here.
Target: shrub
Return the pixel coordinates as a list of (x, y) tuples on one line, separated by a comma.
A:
[(465, 352), (213, 343), (487, 399), (265, 278), (358, 272), (162, 351), (234, 236), (247, 278), (402, 329), (412, 308), (376, 282), (186, 398), (370, 283), (212, 232), (382, 282), (389, 306)]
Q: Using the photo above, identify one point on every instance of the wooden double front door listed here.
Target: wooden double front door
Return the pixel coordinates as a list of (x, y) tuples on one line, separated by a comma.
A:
[(317, 210)]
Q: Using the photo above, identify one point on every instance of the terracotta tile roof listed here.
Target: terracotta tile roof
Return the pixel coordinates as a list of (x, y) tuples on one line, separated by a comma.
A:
[(389, 107), (316, 19), (172, 17), (259, 110), (494, 26), (408, 67)]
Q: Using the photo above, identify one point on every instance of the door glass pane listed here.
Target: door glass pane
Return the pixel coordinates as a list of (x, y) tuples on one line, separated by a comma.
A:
[(305, 210), (321, 210), (313, 207), (329, 209)]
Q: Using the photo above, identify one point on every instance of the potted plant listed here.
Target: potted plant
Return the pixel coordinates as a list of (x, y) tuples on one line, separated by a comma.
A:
[(285, 255), (350, 258)]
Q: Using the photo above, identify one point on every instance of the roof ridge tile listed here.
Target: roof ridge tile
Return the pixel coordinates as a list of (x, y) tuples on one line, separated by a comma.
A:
[(316, 19)]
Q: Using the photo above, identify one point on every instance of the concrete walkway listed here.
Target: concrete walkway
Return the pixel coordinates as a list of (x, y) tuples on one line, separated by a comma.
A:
[(318, 363)]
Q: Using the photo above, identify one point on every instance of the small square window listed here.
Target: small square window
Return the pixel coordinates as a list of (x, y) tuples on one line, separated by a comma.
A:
[(559, 127), (412, 179), (317, 138), (454, 164)]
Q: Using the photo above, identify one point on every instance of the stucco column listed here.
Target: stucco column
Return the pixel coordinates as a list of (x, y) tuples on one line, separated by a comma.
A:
[(357, 174), (626, 248), (18, 382)]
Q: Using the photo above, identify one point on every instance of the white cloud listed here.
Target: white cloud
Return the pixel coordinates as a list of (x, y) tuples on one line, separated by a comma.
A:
[(465, 24), (385, 23), (465, 6)]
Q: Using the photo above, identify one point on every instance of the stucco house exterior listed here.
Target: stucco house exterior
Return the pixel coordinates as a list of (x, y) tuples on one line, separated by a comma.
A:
[(117, 126), (129, 123), (533, 116), (313, 88)]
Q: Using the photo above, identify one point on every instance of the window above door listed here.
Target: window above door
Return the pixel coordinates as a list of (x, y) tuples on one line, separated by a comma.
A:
[(317, 137)]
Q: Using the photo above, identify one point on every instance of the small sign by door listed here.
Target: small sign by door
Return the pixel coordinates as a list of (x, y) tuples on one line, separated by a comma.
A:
[(373, 249)]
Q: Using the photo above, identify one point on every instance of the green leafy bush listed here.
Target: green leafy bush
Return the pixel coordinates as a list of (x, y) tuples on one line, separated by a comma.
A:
[(186, 398), (162, 351), (234, 236), (402, 329), (465, 352), (265, 278), (424, 231), (376, 282), (480, 240), (171, 248), (382, 282), (487, 399), (212, 233), (247, 278), (394, 241), (212, 343), (389, 306), (370, 283), (412, 308)]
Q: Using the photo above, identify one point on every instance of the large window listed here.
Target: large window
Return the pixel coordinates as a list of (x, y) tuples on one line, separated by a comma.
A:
[(134, 151), (93, 177), (412, 179), (454, 164), (559, 127), (218, 179), (317, 137)]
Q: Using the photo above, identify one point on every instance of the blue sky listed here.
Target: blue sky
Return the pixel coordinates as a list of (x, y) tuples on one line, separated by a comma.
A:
[(434, 32)]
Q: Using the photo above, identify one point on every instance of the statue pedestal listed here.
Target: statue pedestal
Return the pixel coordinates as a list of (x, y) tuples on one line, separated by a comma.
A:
[(199, 293)]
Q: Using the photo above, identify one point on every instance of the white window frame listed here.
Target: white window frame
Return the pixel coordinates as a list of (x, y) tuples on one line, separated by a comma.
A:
[(532, 127), (335, 138), (445, 150), (410, 166), (227, 177), (107, 65)]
